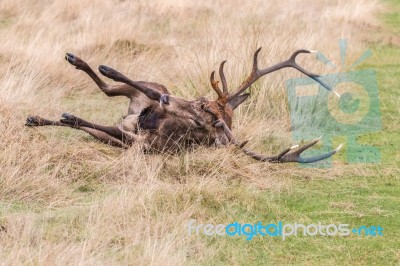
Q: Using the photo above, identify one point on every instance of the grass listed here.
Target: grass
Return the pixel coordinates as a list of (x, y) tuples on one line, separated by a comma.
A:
[(67, 199)]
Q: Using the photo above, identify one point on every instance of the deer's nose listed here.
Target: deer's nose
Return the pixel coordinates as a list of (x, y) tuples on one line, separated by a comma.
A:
[(164, 99)]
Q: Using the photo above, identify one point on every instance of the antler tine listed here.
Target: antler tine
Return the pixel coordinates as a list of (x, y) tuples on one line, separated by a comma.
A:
[(214, 85), (285, 156), (292, 63), (255, 61), (222, 95), (223, 79), (257, 73)]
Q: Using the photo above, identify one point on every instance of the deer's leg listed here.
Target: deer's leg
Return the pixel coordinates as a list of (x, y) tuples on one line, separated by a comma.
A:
[(79, 122), (112, 90), (37, 121), (104, 137), (95, 132), (139, 101), (123, 133), (109, 90), (149, 89)]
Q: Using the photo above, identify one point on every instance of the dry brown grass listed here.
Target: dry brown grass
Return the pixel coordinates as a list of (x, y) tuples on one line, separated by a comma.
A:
[(67, 199)]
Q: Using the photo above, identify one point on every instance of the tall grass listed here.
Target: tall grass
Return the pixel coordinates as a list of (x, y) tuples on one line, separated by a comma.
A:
[(67, 199)]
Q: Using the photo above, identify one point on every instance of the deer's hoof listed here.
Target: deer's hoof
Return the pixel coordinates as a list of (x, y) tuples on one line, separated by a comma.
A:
[(110, 73), (68, 116), (33, 121), (105, 70), (68, 119), (72, 59)]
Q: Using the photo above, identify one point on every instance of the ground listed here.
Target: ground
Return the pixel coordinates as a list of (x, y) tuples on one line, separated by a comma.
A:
[(67, 199)]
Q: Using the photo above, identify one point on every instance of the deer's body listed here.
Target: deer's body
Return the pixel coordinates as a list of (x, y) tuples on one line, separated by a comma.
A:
[(163, 122)]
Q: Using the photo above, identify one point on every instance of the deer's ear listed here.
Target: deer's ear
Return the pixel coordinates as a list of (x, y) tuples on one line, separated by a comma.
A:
[(235, 102)]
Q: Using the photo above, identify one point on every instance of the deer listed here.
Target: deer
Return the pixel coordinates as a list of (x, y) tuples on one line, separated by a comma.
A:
[(162, 122)]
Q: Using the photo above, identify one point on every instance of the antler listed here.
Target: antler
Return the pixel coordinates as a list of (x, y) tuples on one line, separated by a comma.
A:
[(287, 156), (284, 156), (224, 94), (256, 73), (236, 98)]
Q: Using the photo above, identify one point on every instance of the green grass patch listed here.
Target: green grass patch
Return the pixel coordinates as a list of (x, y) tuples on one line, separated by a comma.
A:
[(355, 200)]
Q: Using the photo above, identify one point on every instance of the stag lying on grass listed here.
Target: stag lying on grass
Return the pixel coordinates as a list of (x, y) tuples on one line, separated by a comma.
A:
[(163, 122)]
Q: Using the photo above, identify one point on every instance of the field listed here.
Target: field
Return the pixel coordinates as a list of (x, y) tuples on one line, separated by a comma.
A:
[(67, 199)]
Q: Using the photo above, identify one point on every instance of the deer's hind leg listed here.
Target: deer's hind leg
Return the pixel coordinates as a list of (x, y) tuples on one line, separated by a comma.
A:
[(95, 132), (79, 122), (104, 137)]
